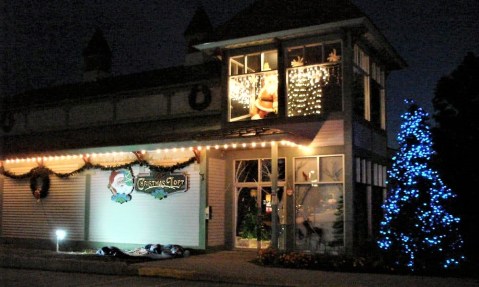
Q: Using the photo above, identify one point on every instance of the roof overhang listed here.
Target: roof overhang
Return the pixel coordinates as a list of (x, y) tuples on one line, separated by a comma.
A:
[(281, 35), (225, 139), (217, 140), (375, 38), (371, 33)]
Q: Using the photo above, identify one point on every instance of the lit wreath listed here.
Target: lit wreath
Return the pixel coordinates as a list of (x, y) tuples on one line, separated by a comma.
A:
[(192, 98), (40, 182)]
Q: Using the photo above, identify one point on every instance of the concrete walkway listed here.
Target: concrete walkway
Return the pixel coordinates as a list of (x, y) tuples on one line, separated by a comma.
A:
[(223, 266)]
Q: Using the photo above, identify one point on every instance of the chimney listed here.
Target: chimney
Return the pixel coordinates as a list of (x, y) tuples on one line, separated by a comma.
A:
[(96, 58)]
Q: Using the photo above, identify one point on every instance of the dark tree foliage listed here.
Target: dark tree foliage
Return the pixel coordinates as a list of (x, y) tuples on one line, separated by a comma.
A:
[(338, 225), (456, 142)]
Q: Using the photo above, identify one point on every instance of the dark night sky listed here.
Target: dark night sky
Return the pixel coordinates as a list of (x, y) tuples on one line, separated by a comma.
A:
[(43, 40)]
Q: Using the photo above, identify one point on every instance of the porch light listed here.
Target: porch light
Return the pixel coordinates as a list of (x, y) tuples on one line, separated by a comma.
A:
[(253, 193)]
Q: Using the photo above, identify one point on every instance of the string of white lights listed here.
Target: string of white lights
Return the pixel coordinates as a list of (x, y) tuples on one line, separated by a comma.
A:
[(44, 158)]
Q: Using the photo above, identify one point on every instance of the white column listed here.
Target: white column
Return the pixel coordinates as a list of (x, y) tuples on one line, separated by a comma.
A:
[(274, 194)]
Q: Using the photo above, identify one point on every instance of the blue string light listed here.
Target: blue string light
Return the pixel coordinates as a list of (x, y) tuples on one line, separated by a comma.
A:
[(417, 230)]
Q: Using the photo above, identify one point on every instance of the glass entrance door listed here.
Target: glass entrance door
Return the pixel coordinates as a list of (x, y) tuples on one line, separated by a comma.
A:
[(253, 220), (254, 201)]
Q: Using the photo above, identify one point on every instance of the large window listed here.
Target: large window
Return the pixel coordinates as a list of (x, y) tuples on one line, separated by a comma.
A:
[(253, 86), (313, 82), (368, 89), (370, 188), (313, 79), (319, 185)]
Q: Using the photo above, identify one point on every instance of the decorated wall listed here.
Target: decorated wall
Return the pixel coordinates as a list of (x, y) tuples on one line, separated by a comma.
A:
[(112, 198), (25, 216), (145, 218)]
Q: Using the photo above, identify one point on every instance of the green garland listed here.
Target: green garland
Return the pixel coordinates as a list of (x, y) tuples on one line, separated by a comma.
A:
[(88, 165)]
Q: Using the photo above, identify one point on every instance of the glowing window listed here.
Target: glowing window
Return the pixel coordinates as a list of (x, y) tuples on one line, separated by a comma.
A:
[(314, 79), (253, 86)]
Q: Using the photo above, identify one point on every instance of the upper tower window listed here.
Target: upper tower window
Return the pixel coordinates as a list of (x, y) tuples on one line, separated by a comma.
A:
[(313, 79), (253, 86), (313, 82)]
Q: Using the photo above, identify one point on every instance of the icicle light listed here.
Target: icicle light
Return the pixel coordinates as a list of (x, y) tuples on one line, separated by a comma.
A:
[(305, 89)]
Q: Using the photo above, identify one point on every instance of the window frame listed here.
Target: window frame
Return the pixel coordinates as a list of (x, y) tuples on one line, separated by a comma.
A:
[(250, 84), (373, 75), (322, 64), (259, 185), (373, 177), (318, 183)]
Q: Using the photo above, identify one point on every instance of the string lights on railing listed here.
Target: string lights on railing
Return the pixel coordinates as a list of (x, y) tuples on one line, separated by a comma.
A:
[(305, 89)]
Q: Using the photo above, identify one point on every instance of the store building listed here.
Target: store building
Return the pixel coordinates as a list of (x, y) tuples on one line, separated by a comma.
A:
[(273, 132)]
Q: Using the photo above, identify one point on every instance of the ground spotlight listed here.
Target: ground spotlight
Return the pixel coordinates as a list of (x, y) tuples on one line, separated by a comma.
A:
[(61, 234)]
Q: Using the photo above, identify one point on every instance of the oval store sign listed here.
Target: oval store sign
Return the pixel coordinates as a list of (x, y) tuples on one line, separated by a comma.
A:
[(162, 184)]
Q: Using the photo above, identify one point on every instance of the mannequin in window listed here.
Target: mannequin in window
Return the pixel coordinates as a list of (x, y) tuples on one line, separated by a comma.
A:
[(267, 101)]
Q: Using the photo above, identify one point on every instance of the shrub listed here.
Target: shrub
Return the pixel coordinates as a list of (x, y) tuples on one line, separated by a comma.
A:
[(303, 260)]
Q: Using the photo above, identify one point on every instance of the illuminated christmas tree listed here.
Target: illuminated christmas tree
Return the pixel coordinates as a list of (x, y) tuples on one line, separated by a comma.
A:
[(417, 232)]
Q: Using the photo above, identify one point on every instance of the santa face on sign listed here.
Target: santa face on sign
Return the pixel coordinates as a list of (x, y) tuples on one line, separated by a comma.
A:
[(121, 185), (117, 183)]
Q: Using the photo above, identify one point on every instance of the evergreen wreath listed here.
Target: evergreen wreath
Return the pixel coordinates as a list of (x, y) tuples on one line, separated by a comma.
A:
[(40, 182), (192, 98)]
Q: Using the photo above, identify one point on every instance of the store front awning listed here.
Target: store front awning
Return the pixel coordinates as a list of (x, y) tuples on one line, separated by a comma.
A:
[(236, 138)]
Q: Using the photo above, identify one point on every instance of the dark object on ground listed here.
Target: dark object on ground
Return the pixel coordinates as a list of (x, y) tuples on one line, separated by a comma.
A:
[(166, 251), (154, 251), (112, 251)]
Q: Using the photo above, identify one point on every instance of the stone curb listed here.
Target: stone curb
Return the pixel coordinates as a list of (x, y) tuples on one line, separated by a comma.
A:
[(201, 276), (120, 268), (168, 272), (67, 265)]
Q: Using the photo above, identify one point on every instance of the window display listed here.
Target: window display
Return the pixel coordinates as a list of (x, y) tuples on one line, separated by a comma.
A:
[(319, 203), (313, 82), (313, 79), (253, 86)]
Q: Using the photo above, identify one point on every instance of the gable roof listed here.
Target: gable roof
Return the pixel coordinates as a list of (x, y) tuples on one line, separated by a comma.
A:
[(266, 21), (171, 76), (200, 23), (97, 45), (265, 16)]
